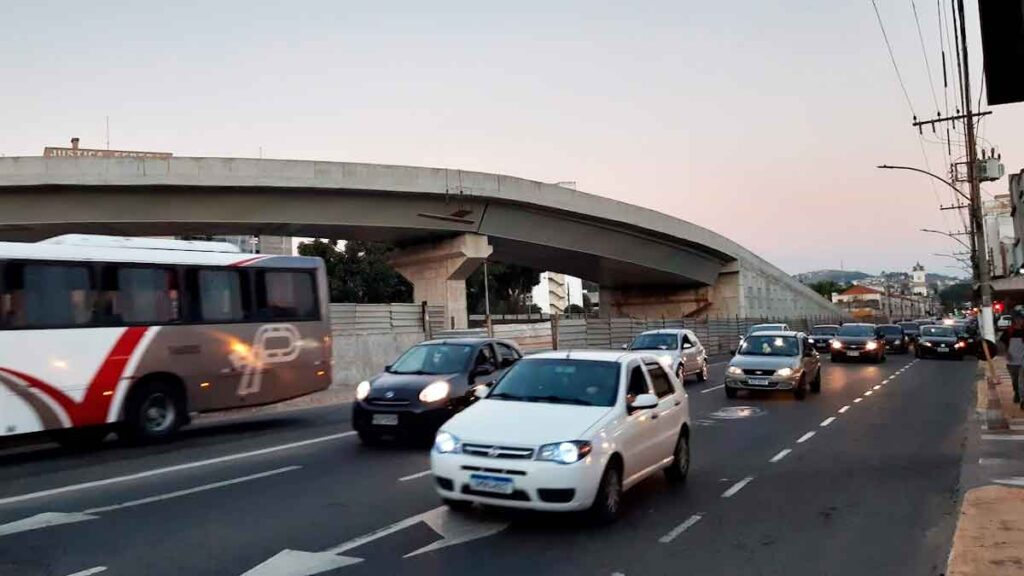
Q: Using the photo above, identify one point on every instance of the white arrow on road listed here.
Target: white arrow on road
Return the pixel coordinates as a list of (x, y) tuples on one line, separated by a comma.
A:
[(48, 519), (454, 528)]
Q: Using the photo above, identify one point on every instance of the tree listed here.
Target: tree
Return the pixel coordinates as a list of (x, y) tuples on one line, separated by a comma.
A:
[(953, 296), (508, 284), (359, 272), (827, 287)]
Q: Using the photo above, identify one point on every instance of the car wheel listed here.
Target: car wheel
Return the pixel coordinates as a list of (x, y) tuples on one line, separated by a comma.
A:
[(680, 374), (816, 383), (154, 412), (368, 438), (608, 500), (680, 466), (730, 392), (800, 392), (702, 376), (457, 505)]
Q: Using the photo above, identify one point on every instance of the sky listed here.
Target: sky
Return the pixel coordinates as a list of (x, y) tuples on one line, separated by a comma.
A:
[(760, 119)]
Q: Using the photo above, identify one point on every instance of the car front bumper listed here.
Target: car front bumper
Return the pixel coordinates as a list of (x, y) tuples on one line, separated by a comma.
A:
[(538, 485), (774, 383), (415, 420)]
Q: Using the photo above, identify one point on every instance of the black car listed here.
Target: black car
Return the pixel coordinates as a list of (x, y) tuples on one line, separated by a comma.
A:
[(896, 340), (821, 336), (911, 330), (857, 341), (940, 342), (427, 385)]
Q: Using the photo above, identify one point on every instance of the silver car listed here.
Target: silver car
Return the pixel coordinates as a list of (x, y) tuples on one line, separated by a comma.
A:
[(775, 360), (678, 350)]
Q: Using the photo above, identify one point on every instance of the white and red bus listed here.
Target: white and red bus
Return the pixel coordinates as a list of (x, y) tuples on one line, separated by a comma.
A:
[(135, 334)]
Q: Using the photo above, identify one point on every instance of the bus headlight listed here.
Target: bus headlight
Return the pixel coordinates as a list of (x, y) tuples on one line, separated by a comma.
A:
[(363, 390)]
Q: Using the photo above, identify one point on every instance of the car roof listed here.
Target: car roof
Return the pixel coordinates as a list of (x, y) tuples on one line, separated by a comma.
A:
[(468, 341), (619, 356), (675, 331), (888, 325), (825, 326), (782, 333), (859, 324)]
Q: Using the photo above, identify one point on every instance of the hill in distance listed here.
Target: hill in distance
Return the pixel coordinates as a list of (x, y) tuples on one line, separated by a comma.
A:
[(837, 276)]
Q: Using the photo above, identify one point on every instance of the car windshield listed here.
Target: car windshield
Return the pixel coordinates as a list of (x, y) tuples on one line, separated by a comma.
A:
[(824, 330), (857, 330), (655, 342), (770, 346), (890, 330), (560, 381), (433, 359), (909, 327), (938, 331), (765, 328)]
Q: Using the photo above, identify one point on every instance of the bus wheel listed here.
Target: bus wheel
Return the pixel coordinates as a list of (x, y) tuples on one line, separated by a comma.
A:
[(154, 412), (81, 439)]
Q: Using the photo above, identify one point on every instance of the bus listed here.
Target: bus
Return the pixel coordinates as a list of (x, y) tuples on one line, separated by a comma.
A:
[(134, 335)]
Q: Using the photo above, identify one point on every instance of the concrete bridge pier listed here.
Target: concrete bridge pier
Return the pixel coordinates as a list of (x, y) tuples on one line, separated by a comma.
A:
[(720, 299), (438, 272)]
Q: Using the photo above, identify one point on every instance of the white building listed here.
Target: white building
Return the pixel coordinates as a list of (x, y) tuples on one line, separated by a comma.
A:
[(556, 292), (918, 280), (1000, 237)]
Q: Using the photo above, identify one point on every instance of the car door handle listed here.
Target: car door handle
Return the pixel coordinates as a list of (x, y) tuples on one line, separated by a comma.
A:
[(654, 416), (678, 402)]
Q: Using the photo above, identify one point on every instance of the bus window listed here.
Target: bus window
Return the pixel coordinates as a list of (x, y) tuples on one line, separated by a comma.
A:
[(139, 295), (222, 294), (286, 296), (48, 295)]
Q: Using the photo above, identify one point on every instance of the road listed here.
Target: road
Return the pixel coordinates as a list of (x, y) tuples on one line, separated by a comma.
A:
[(861, 479)]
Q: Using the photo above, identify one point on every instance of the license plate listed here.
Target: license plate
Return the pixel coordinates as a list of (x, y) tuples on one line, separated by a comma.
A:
[(943, 349), (853, 353), (758, 381), (385, 419), (495, 484)]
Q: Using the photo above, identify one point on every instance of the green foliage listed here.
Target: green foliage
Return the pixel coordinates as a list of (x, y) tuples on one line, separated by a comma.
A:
[(508, 284), (827, 287), (953, 297), (359, 272)]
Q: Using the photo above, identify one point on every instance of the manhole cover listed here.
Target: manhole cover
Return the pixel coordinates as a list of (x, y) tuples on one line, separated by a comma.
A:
[(736, 412)]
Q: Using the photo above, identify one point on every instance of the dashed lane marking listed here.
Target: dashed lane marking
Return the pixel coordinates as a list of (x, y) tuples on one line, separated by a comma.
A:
[(675, 532), (706, 390), (90, 571), (844, 408), (782, 454), (876, 386), (857, 399), (869, 392), (737, 487), (414, 476), (805, 437), (827, 421)]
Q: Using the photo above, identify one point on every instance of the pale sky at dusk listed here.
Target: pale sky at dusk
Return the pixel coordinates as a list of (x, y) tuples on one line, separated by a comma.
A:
[(762, 120)]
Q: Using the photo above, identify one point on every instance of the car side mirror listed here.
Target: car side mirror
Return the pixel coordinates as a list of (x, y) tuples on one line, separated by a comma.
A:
[(625, 346), (388, 367), (481, 392), (644, 402), (687, 345)]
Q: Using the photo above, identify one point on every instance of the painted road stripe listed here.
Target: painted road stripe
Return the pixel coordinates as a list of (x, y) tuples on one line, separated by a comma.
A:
[(169, 469), (844, 408), (705, 391), (805, 437), (869, 392), (90, 571), (680, 529), (737, 487), (1002, 437), (876, 386), (827, 421), (414, 476), (857, 399), (780, 455)]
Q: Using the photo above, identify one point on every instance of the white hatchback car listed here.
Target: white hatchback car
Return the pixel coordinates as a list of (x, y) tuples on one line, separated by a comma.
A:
[(565, 431)]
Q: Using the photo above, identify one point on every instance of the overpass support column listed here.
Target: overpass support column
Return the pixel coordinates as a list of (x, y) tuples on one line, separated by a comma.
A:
[(721, 299), (438, 272)]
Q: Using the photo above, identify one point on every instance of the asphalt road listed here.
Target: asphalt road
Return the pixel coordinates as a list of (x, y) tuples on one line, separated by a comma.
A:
[(861, 479)]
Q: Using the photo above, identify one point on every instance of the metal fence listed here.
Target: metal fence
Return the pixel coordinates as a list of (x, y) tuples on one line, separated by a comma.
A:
[(353, 319)]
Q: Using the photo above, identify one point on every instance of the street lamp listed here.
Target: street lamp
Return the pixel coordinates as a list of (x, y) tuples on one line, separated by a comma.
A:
[(948, 235), (927, 173)]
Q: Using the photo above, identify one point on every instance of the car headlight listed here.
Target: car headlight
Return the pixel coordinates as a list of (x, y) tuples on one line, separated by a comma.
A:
[(928, 344), (960, 345), (363, 390), (734, 371), (811, 340), (871, 345), (436, 391), (564, 452), (445, 443), (837, 344), (784, 372)]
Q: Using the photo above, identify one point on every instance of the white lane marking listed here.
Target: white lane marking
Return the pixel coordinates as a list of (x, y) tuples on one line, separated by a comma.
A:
[(1015, 481), (886, 380), (805, 437), (169, 469), (857, 399), (737, 487), (188, 491), (675, 532), (414, 476), (48, 519), (827, 421), (1002, 437), (844, 408), (90, 571), (876, 386), (780, 455), (705, 391), (869, 392)]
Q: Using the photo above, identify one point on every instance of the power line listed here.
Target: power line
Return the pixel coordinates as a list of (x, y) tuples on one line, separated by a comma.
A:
[(924, 52), (892, 58)]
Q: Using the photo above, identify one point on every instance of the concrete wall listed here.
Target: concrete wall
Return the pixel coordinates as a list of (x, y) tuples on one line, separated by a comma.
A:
[(762, 292), (359, 356)]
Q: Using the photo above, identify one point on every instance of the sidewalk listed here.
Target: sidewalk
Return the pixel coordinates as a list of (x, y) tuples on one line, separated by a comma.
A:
[(989, 538)]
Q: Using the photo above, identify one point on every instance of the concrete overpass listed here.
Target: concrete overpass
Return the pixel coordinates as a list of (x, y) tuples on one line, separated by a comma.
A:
[(446, 222)]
